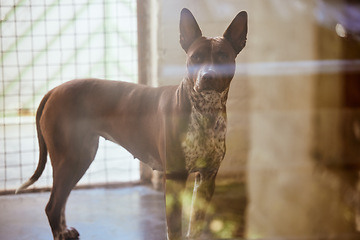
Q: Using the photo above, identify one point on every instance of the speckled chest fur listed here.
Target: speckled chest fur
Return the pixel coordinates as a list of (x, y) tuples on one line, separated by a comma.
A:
[(204, 143)]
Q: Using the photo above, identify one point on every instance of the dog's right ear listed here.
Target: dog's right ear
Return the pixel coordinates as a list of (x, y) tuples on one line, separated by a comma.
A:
[(189, 29)]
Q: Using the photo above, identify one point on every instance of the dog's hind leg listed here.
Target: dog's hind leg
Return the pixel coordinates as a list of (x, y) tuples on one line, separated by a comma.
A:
[(67, 171)]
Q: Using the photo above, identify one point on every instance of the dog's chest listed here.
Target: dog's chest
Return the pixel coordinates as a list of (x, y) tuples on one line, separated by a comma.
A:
[(204, 142)]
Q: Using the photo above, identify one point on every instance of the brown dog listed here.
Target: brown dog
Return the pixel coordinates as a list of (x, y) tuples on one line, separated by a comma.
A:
[(175, 129)]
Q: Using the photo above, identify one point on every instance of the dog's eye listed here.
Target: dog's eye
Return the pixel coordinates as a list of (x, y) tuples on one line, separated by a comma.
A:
[(222, 57), (197, 58)]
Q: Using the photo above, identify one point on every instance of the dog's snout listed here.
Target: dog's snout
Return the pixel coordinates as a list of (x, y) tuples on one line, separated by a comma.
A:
[(206, 80), (208, 76)]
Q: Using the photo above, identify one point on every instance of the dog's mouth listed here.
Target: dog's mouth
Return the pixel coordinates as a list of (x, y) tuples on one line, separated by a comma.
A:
[(205, 89), (204, 86)]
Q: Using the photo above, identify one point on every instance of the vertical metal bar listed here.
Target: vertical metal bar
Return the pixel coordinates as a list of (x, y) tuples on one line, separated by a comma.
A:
[(32, 103), (75, 39), (46, 49), (60, 44), (3, 105), (19, 98), (105, 10), (88, 18), (105, 38)]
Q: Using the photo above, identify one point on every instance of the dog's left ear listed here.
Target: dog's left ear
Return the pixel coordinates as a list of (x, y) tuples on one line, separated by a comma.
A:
[(237, 31), (189, 29)]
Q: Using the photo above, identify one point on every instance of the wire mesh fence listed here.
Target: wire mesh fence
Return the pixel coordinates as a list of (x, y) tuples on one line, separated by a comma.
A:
[(45, 43)]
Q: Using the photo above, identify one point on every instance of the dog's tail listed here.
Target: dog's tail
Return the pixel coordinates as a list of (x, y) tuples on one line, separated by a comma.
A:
[(42, 148)]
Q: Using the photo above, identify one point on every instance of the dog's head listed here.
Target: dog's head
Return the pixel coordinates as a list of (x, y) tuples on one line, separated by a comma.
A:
[(211, 61)]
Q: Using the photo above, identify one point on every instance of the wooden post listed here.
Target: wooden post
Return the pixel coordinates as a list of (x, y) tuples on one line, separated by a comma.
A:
[(147, 56)]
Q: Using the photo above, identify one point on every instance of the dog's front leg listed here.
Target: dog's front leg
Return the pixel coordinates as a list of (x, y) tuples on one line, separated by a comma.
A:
[(202, 194), (174, 189)]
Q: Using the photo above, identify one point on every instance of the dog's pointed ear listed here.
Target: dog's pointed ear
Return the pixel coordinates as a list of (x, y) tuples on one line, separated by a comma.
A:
[(189, 29), (237, 31)]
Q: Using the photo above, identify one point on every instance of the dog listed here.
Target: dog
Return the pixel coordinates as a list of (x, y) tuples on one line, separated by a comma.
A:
[(175, 129)]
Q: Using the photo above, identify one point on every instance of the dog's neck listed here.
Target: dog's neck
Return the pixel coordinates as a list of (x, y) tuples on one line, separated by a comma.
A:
[(204, 142)]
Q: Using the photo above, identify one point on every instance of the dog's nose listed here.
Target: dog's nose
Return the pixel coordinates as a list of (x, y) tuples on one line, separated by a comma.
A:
[(208, 76)]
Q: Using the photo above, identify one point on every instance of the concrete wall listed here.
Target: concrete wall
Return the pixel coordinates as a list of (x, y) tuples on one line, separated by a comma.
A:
[(295, 115), (286, 114)]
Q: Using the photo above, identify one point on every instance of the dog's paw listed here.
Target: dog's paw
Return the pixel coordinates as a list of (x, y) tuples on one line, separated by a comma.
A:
[(70, 234)]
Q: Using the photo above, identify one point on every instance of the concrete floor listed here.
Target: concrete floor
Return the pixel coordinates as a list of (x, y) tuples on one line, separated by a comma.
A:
[(129, 213)]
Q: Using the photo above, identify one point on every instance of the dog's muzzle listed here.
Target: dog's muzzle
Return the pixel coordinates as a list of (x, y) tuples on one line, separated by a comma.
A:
[(206, 80)]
